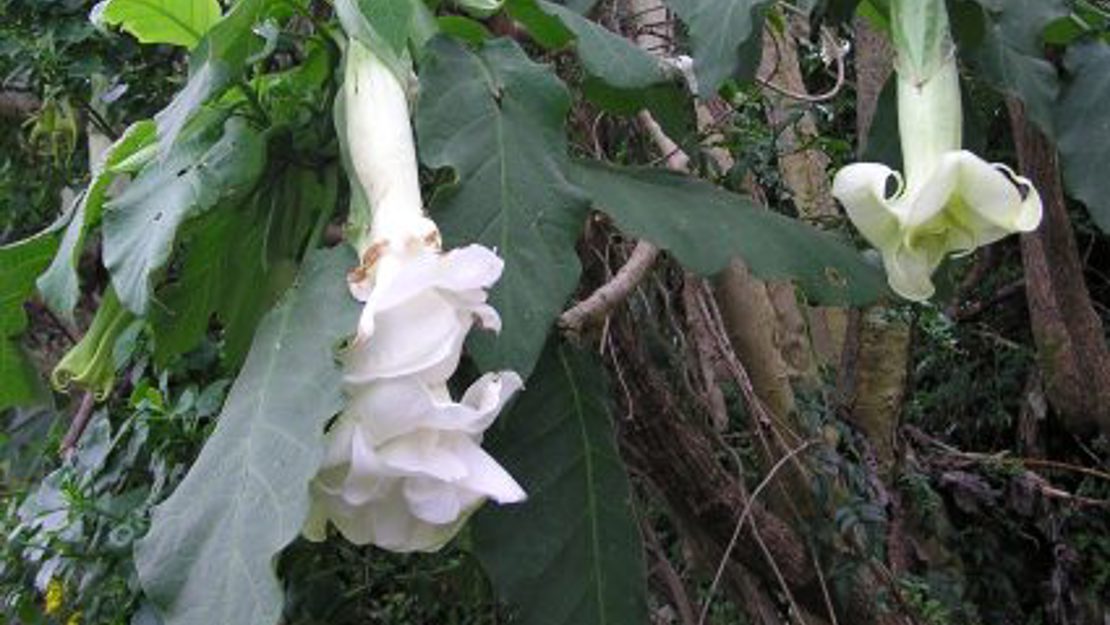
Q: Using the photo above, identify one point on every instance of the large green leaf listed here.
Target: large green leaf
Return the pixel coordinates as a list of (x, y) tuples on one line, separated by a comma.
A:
[(496, 118), (725, 35), (239, 261), (622, 78), (1083, 128), (215, 163), (704, 226), (210, 554), (1011, 56), (177, 22), (605, 54), (58, 285), (20, 262), (571, 554), (219, 61)]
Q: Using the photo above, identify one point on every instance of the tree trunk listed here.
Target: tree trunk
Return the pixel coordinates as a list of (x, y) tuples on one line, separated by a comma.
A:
[(1070, 339)]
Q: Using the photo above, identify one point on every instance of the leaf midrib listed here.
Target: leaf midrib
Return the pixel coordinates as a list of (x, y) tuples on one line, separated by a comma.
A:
[(591, 498)]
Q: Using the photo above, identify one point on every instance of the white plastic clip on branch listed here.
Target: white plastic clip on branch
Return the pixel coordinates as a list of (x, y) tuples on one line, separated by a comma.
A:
[(950, 201), (404, 466)]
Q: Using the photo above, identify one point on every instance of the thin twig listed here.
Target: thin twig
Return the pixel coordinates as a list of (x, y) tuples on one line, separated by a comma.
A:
[(742, 520), (824, 586), (78, 425), (602, 301), (838, 58)]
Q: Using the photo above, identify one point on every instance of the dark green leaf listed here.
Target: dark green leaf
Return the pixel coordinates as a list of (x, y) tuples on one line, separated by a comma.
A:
[(20, 262), (238, 262), (58, 284), (704, 226), (882, 144), (464, 28), (177, 22), (1083, 128), (1011, 55), (622, 78), (605, 54), (721, 31), (211, 551), (571, 554), (140, 226), (497, 119)]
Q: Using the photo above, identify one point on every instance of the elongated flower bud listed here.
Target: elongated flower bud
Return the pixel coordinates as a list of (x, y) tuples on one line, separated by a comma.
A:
[(89, 364), (382, 152)]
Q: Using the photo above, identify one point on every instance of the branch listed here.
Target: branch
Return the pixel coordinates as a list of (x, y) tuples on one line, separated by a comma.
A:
[(602, 301), (78, 425)]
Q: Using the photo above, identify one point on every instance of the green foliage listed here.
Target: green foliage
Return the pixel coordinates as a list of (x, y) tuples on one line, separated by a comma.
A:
[(1083, 126), (235, 183), (69, 525), (622, 77), (177, 22), (218, 62), (1008, 52), (571, 554), (970, 400), (725, 36), (20, 262), (59, 283), (50, 52), (214, 162), (235, 269), (704, 226), (209, 556), (511, 191)]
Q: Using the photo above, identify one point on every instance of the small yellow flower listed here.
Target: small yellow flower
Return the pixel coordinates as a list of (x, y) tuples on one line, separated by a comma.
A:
[(74, 619), (55, 597)]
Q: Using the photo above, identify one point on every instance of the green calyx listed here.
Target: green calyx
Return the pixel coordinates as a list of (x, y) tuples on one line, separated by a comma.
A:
[(923, 44), (90, 364)]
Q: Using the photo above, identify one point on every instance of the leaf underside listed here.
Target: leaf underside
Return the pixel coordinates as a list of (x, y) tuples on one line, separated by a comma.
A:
[(210, 554)]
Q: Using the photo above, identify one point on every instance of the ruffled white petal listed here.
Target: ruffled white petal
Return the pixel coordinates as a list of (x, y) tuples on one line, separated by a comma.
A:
[(861, 189)]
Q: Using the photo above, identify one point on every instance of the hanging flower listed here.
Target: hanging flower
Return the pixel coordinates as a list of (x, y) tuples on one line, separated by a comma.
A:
[(419, 308), (404, 467), (90, 364), (950, 201)]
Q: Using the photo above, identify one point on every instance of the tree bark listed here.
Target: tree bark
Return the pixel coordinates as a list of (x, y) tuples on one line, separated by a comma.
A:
[(873, 372), (681, 461), (1070, 339)]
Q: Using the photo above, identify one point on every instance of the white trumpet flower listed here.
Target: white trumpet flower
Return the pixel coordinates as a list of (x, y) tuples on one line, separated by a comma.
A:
[(419, 308), (950, 201), (404, 466)]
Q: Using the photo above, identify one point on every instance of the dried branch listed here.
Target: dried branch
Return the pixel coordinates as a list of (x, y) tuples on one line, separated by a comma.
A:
[(740, 525), (602, 301)]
